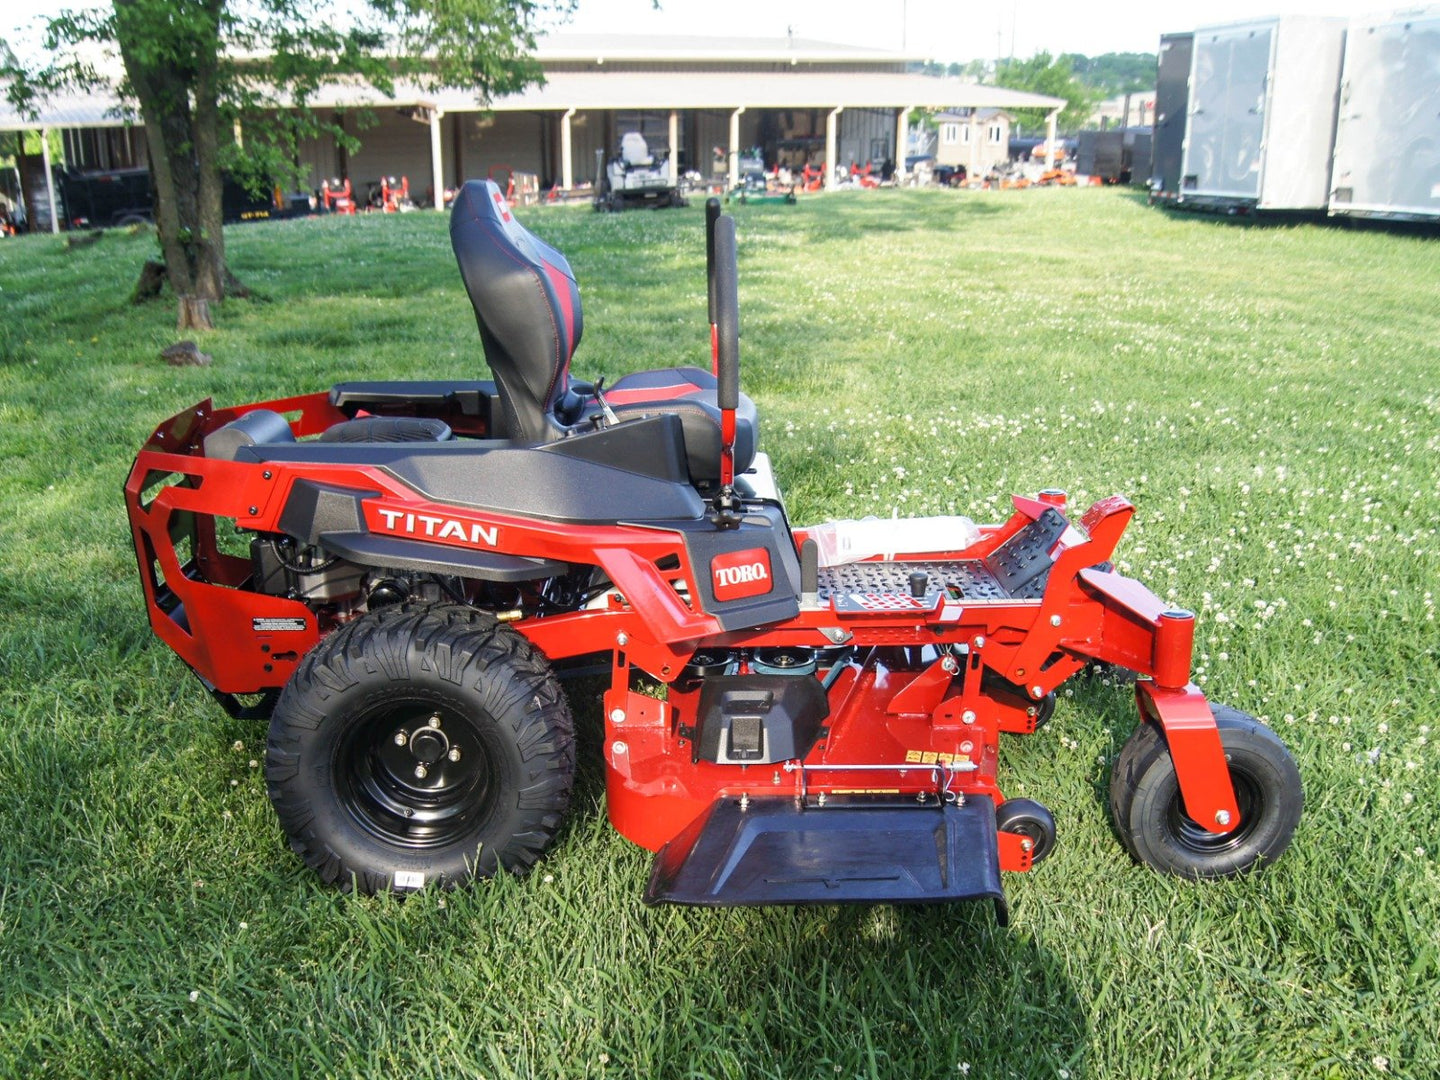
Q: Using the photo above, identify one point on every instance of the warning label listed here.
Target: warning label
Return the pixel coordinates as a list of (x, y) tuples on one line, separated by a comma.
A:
[(271, 625), (930, 757)]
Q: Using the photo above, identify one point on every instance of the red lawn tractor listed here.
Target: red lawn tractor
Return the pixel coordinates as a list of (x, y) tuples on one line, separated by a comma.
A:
[(336, 196), (397, 573)]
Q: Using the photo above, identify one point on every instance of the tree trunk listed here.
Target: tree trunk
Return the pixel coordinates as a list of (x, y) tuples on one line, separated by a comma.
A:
[(152, 280), (27, 190), (210, 270), (178, 104), (194, 314)]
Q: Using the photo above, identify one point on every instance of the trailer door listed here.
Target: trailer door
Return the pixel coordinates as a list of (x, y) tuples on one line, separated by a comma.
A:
[(1387, 147), (1225, 143), (1172, 104)]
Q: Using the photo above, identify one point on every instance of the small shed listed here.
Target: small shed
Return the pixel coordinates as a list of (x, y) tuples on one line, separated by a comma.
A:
[(978, 139)]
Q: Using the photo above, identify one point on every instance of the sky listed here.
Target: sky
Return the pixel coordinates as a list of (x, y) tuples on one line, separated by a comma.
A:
[(929, 29)]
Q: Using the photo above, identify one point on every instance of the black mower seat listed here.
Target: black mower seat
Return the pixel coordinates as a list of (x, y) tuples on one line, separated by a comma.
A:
[(388, 429), (688, 393), (527, 306), (528, 309)]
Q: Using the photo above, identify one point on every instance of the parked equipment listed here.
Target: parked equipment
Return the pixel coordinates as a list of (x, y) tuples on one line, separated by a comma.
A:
[(1114, 157), (1262, 114), (391, 195), (336, 196), (415, 559), (636, 178), (758, 188), (1172, 106), (115, 198), (1387, 141)]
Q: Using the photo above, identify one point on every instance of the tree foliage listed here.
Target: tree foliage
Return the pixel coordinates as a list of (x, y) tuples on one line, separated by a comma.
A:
[(1044, 74), (1111, 74), (202, 72)]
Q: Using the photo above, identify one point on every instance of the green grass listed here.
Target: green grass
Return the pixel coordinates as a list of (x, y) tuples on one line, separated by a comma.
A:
[(1266, 395)]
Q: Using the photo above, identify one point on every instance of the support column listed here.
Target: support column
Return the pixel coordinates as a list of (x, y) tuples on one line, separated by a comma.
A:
[(830, 124), (902, 142), (1050, 123), (674, 147), (567, 160), (49, 178), (437, 171), (733, 173)]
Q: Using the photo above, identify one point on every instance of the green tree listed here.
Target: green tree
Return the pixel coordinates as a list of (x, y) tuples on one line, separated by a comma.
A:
[(1111, 74), (1043, 74), (198, 71)]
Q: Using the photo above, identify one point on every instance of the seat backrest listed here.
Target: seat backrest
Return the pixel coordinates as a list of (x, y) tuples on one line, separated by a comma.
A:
[(634, 150), (526, 303)]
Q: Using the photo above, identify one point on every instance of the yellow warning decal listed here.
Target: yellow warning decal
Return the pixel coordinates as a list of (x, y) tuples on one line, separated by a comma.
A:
[(930, 757)]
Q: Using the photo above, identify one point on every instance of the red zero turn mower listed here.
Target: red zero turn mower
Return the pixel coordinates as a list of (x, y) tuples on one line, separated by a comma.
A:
[(394, 567)]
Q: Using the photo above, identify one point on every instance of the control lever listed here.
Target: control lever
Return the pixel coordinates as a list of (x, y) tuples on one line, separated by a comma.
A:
[(727, 366), (810, 574), (610, 418)]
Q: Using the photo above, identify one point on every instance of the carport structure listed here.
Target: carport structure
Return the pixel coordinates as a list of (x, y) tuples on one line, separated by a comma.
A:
[(705, 99), (738, 110)]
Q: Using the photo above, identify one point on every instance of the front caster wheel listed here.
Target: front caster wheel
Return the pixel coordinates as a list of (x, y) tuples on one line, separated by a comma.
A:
[(1031, 820), (418, 745), (1150, 816)]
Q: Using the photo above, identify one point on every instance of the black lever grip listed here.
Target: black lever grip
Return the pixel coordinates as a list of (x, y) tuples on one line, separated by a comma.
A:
[(727, 314)]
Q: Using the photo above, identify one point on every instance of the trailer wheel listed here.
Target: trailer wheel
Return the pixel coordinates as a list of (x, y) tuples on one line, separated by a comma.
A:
[(1150, 816), (418, 745)]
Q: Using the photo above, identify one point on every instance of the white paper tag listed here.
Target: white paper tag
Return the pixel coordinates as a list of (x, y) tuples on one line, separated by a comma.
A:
[(409, 879)]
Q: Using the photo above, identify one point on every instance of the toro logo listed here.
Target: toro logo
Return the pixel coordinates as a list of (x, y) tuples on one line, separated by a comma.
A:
[(739, 574)]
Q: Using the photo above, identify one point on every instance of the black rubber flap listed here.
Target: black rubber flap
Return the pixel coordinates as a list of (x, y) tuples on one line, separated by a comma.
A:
[(773, 852)]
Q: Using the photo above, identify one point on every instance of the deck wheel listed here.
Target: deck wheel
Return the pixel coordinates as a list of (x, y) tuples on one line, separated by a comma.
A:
[(1150, 816), (1031, 820)]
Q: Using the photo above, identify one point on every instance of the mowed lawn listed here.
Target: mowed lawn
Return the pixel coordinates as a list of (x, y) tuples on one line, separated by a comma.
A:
[(1266, 395)]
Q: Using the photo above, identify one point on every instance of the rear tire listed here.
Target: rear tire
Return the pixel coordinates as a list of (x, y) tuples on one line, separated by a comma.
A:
[(1150, 816), (418, 745)]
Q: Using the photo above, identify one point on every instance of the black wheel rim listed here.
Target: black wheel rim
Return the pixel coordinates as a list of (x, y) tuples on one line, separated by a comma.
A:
[(1039, 836), (1249, 799), (416, 774)]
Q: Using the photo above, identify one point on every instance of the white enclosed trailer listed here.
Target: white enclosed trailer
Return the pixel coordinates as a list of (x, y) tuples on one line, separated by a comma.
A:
[(1261, 122), (1387, 142)]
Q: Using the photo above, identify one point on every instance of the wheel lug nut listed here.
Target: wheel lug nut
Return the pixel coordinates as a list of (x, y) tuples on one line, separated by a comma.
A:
[(454, 754), (421, 772), (401, 738), (434, 721)]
